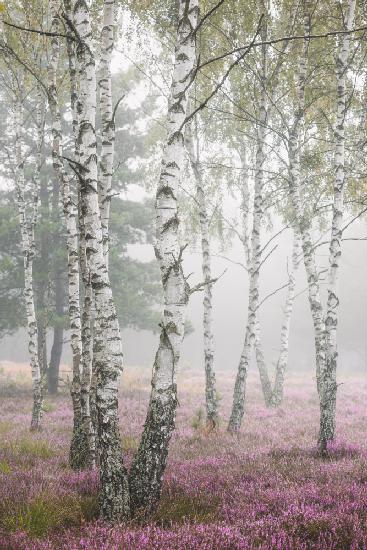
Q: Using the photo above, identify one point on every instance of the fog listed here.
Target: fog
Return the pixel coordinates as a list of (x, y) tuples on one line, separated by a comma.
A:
[(230, 308)]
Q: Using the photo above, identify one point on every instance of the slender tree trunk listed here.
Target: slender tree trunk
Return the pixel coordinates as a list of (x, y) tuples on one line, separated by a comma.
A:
[(107, 119), (301, 222), (70, 215), (114, 491), (88, 405), (27, 227), (278, 390), (42, 307), (42, 344), (238, 405), (328, 374), (43, 290), (104, 193), (245, 205), (87, 396), (274, 394), (210, 385), (150, 461), (53, 372), (59, 290)]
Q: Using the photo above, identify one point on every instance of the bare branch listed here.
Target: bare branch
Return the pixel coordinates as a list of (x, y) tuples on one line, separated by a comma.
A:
[(200, 286), (277, 40), (207, 15), (222, 80), (272, 294), (116, 107), (38, 31)]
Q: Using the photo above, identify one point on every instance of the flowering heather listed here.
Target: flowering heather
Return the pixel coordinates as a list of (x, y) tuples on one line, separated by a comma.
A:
[(265, 489)]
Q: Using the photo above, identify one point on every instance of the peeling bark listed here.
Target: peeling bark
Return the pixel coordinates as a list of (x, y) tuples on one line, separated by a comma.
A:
[(107, 121), (70, 216), (150, 461), (114, 492), (328, 373)]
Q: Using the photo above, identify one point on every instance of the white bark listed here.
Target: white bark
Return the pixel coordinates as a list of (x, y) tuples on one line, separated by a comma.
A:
[(27, 228), (114, 494), (238, 405), (70, 218), (328, 374), (107, 122), (149, 464), (278, 389), (302, 223), (210, 385), (83, 447), (245, 205)]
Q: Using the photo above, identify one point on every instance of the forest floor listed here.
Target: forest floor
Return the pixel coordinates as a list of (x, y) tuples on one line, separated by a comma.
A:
[(265, 489)]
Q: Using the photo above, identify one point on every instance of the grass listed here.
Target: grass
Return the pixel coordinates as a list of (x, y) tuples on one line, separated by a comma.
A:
[(33, 448), (47, 513), (186, 509)]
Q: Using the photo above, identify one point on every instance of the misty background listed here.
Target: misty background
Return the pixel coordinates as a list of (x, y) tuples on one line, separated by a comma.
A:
[(230, 308)]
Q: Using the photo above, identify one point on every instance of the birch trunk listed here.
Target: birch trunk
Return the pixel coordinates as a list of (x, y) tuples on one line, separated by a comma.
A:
[(114, 492), (58, 336), (43, 290), (302, 223), (27, 228), (87, 432), (104, 191), (278, 389), (107, 122), (210, 385), (87, 393), (77, 447), (238, 405), (150, 461), (328, 374), (274, 394), (245, 205), (55, 238)]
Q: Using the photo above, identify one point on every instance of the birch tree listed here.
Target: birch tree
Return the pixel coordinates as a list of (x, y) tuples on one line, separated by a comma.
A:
[(150, 461), (324, 326), (328, 373), (193, 148), (77, 449), (27, 222), (114, 494), (238, 404), (278, 388), (107, 118)]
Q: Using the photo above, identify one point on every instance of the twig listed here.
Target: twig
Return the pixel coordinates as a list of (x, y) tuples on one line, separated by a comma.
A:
[(271, 294), (222, 80), (277, 40), (116, 107), (38, 31), (200, 286), (207, 15)]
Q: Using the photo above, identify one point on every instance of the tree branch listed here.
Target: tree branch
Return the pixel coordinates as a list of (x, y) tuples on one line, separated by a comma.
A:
[(38, 31), (200, 286), (277, 40), (223, 79), (207, 15)]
